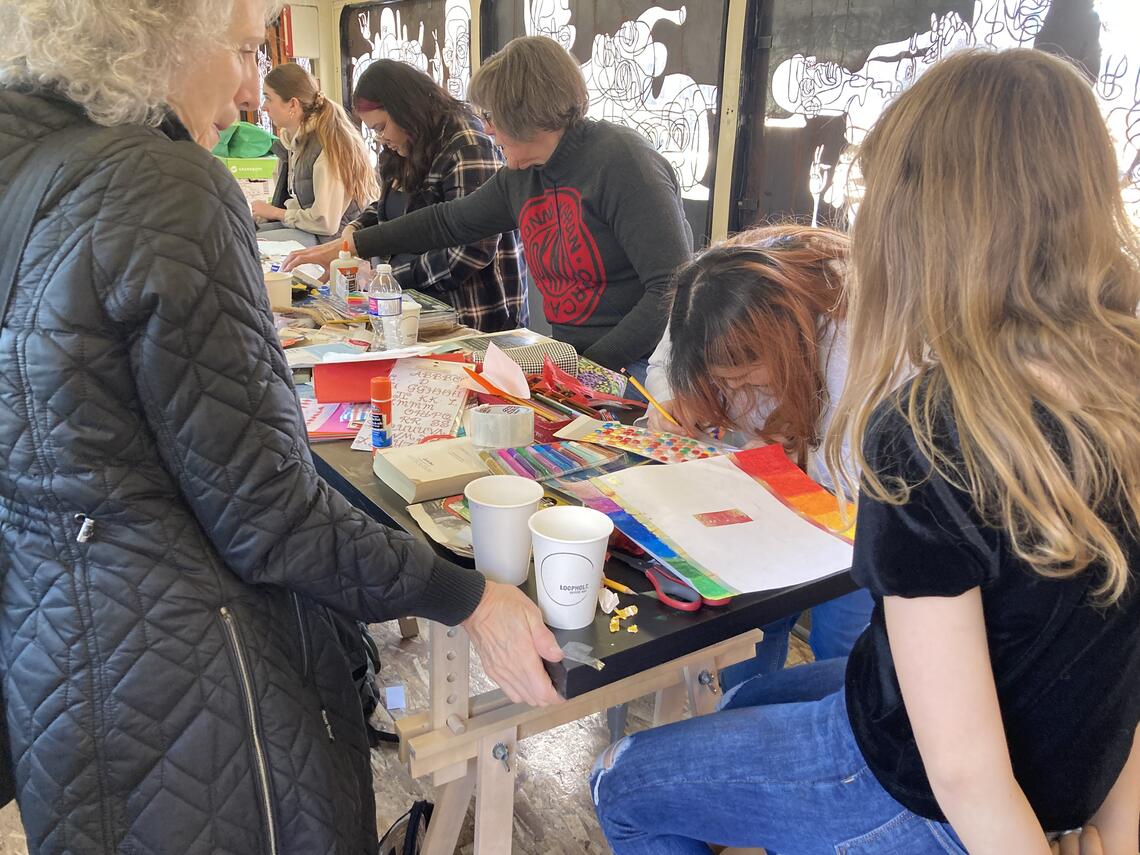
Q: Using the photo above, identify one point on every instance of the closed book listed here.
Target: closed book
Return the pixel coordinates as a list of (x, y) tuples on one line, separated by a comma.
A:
[(419, 473)]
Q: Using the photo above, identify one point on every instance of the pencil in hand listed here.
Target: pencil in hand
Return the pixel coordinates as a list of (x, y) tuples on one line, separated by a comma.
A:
[(645, 392)]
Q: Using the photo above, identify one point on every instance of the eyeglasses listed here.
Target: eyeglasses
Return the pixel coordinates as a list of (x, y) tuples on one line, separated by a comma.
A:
[(485, 115)]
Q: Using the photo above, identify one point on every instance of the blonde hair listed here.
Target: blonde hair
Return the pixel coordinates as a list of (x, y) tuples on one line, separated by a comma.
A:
[(533, 84), (340, 141), (993, 261), (117, 59)]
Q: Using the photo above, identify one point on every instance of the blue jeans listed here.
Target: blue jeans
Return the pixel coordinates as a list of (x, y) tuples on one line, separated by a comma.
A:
[(835, 626), (777, 767)]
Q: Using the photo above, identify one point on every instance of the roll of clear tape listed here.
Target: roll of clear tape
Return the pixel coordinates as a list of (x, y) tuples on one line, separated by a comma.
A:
[(500, 426)]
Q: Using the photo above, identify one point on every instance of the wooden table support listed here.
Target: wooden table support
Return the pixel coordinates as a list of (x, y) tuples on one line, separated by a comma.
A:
[(470, 744)]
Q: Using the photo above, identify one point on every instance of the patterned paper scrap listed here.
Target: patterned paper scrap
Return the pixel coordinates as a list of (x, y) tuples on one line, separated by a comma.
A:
[(662, 447), (733, 516)]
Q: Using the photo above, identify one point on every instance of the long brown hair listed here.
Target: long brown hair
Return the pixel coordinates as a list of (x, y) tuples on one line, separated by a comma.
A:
[(420, 106), (341, 143), (760, 298), (993, 259)]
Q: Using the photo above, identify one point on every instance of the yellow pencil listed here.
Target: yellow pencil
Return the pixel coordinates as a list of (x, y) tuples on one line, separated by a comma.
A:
[(651, 399), (618, 586)]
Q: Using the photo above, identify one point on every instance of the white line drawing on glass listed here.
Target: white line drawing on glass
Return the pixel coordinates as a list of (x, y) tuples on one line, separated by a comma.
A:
[(1118, 90), (457, 47), (808, 87), (817, 182), (621, 75)]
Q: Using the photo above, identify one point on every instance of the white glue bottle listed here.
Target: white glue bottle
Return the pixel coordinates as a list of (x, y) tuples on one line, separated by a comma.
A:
[(385, 303), (343, 272)]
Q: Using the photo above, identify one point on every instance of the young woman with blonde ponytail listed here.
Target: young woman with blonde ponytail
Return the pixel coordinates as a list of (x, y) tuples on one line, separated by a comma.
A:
[(993, 405), (327, 179)]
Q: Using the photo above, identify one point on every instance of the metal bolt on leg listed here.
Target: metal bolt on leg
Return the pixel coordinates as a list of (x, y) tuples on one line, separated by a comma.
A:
[(502, 752), (705, 678)]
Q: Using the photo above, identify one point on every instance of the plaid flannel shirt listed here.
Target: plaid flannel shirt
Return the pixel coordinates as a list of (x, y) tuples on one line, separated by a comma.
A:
[(485, 281)]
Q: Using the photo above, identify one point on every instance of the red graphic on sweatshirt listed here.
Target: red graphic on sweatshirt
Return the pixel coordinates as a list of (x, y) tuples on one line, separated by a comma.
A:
[(562, 256)]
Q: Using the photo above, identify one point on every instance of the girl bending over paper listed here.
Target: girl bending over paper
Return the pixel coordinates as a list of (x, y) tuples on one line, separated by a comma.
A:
[(757, 345)]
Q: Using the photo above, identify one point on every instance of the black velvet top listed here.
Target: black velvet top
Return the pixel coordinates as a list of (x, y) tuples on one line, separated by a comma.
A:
[(1067, 671)]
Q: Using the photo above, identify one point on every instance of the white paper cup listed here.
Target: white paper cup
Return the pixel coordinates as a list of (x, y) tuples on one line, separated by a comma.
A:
[(280, 287), (500, 506), (569, 555), (409, 322)]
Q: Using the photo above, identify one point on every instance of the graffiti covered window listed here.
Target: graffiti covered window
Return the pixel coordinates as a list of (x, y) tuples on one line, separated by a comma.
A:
[(826, 89), (432, 35), (654, 67)]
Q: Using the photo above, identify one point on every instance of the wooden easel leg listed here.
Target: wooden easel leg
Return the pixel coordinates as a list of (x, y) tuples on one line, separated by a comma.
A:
[(669, 704), (496, 767), (409, 627), (451, 804), (449, 685), (617, 719)]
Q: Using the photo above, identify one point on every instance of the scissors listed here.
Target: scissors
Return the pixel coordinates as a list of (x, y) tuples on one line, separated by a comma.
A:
[(667, 588)]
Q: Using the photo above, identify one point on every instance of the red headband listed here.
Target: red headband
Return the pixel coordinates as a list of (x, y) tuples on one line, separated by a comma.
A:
[(363, 105)]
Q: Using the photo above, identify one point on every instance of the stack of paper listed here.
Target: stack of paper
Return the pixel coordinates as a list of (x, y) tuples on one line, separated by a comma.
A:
[(333, 421)]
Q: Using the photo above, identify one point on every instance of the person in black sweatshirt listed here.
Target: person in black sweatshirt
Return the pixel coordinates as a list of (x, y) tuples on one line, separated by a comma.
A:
[(598, 209)]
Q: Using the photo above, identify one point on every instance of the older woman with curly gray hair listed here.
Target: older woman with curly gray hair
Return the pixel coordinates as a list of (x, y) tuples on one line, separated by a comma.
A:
[(170, 563)]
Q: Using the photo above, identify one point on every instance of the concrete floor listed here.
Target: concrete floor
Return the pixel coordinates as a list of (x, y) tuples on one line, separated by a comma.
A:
[(553, 810)]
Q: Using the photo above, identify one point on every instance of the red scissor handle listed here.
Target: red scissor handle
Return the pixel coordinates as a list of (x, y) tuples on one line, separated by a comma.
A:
[(671, 592)]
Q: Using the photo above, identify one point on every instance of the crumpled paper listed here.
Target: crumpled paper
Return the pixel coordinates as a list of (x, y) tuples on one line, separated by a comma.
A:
[(607, 600)]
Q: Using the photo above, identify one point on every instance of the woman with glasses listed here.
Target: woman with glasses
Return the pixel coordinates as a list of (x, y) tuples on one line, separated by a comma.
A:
[(431, 149), (598, 209)]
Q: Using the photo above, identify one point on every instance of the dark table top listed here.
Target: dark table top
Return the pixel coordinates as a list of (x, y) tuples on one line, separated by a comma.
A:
[(664, 633)]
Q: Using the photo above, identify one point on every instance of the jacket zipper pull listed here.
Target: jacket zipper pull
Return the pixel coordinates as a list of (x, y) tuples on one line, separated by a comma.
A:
[(86, 528)]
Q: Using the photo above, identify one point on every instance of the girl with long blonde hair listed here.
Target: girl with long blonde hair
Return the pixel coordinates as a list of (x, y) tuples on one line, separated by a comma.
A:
[(993, 402), (327, 178)]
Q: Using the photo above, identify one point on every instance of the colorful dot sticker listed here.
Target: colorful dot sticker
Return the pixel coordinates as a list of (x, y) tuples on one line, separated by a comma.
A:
[(662, 447)]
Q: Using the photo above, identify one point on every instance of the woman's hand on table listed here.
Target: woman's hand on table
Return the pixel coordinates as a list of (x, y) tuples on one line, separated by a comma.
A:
[(323, 254), (1085, 841), (265, 211), (511, 640)]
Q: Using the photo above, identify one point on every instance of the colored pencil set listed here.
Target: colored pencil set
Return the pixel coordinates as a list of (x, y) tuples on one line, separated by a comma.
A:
[(551, 460)]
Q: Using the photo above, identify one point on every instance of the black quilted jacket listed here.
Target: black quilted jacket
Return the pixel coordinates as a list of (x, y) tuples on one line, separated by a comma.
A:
[(172, 684)]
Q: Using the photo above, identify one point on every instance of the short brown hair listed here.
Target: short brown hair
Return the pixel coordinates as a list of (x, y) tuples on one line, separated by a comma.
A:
[(532, 84)]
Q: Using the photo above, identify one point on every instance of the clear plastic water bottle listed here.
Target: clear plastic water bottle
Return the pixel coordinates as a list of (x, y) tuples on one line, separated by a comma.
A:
[(385, 303)]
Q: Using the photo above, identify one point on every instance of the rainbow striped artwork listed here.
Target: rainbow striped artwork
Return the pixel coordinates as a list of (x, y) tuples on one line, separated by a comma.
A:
[(743, 522)]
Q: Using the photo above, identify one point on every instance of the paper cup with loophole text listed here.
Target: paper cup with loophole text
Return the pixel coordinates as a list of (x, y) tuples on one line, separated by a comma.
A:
[(569, 555), (500, 506)]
